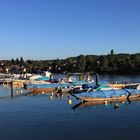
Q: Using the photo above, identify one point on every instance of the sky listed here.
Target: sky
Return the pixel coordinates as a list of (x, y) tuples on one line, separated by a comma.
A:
[(50, 29)]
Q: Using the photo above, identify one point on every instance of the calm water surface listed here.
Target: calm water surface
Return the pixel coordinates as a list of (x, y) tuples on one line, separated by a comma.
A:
[(36, 117)]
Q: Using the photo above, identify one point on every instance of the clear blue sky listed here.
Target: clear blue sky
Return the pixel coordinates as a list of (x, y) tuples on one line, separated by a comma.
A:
[(50, 29)]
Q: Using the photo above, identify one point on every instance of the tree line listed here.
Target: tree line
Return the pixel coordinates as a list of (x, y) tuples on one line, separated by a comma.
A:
[(103, 64)]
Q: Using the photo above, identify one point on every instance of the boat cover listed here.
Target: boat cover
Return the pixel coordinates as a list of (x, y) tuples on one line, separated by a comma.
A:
[(81, 82), (43, 79), (51, 85), (108, 93)]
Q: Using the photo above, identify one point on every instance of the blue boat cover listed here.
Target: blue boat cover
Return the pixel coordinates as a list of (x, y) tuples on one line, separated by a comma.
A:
[(81, 82), (108, 93), (51, 85), (43, 79)]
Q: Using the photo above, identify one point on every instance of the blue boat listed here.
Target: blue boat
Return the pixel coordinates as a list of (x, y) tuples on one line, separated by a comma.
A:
[(109, 95)]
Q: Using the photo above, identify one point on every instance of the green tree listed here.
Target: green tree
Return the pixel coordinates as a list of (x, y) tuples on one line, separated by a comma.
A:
[(12, 61), (21, 61), (17, 61), (81, 63)]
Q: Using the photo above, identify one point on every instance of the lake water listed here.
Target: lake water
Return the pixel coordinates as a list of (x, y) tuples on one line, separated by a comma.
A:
[(36, 117)]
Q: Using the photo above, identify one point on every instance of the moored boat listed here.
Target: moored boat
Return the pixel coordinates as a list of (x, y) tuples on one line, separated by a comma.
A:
[(109, 95), (48, 87)]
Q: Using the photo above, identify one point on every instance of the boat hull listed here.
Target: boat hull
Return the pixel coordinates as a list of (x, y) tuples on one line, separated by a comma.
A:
[(43, 90), (113, 99)]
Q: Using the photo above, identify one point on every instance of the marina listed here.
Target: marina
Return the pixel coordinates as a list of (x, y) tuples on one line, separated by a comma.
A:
[(45, 116), (69, 69), (93, 90)]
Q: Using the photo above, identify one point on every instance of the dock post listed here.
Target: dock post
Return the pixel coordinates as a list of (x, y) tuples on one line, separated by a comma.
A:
[(50, 77), (12, 95), (97, 79)]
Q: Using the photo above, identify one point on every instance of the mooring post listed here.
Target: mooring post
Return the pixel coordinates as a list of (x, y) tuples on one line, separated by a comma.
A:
[(50, 77), (97, 79), (12, 94)]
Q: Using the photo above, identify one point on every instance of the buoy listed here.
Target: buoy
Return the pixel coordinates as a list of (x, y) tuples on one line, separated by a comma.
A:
[(70, 101), (105, 102), (123, 102), (52, 94), (82, 101), (116, 106), (17, 92), (51, 98), (58, 96)]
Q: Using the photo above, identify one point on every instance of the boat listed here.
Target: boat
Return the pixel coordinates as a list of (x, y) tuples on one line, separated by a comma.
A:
[(120, 86), (48, 87), (115, 103), (92, 87), (74, 87), (110, 95)]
